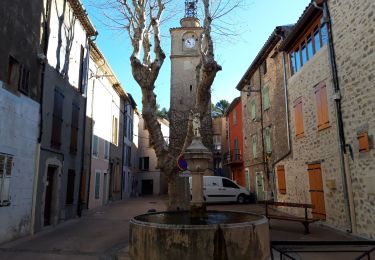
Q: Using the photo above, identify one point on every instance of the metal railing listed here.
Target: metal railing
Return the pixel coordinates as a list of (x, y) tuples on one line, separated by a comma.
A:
[(348, 250), (234, 155)]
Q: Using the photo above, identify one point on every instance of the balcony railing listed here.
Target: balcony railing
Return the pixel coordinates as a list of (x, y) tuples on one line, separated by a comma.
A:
[(234, 156)]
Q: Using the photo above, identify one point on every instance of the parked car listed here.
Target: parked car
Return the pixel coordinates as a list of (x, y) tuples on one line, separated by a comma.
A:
[(221, 189)]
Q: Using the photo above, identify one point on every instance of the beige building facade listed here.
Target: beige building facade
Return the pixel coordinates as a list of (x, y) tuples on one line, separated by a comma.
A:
[(330, 70)]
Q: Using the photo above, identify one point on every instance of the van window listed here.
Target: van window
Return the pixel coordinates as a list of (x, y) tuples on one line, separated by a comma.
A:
[(229, 184)]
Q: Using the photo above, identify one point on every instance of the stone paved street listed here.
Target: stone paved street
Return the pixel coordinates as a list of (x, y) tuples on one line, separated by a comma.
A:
[(100, 234)]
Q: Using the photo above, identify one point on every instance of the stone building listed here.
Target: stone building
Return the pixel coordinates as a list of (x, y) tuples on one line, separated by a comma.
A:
[(353, 36), (130, 148), (21, 65), (63, 113), (150, 179), (220, 146), (234, 158), (104, 132), (263, 97), (331, 106)]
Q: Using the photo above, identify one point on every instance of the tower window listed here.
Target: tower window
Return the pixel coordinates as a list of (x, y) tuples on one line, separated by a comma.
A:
[(191, 88)]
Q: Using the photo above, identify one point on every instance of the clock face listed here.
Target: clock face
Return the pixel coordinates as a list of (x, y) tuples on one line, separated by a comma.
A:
[(189, 43)]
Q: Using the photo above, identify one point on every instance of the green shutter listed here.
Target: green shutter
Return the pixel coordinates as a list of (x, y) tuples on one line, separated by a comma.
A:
[(266, 98), (248, 180), (267, 139), (253, 109), (254, 146)]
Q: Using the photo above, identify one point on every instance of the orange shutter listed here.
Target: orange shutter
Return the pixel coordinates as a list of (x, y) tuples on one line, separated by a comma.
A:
[(364, 144), (322, 106), (298, 117), (281, 179)]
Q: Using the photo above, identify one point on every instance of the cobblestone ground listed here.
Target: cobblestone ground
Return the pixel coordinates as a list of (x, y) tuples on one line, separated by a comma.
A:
[(101, 233)]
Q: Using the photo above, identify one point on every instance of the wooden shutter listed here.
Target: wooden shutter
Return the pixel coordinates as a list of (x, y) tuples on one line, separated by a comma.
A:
[(74, 128), (266, 98), (6, 165), (363, 141), (255, 146), (95, 144), (298, 117), (253, 109), (57, 119), (322, 106), (281, 179)]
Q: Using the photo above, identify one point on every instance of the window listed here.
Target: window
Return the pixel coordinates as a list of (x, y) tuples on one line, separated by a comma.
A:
[(131, 129), (310, 51), (126, 126), (322, 106), (267, 139), (144, 163), (217, 142), (309, 43), (57, 119), (115, 130), (253, 109), (254, 139), (266, 98), (74, 128), (229, 184), (6, 166), (149, 141), (248, 179), (236, 152), (234, 117), (81, 75), (70, 187), (95, 146), (97, 185), (298, 117), (364, 142), (18, 76), (128, 155), (106, 150), (281, 179), (14, 70)]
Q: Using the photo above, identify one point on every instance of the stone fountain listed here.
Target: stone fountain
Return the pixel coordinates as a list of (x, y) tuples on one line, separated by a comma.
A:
[(199, 234)]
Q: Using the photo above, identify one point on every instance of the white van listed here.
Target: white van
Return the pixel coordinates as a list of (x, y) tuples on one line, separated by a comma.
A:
[(221, 189)]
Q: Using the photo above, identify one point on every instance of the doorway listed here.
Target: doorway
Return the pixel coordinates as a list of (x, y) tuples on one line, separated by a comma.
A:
[(49, 195), (147, 187), (316, 191)]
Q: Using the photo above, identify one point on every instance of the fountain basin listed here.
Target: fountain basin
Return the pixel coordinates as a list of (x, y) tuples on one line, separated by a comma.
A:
[(219, 235)]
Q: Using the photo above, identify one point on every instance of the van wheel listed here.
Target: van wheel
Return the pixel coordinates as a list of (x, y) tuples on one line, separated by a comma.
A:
[(241, 199)]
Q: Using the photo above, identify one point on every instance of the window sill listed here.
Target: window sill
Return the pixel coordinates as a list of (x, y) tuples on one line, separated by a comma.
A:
[(299, 136), (323, 127)]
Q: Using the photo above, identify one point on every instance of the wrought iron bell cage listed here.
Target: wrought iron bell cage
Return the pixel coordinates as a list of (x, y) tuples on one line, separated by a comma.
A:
[(191, 8)]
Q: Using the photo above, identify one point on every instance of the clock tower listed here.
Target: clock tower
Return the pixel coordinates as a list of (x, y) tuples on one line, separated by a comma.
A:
[(185, 57)]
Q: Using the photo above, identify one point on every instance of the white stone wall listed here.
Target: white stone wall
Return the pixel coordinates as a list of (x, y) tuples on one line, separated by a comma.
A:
[(159, 184), (19, 129)]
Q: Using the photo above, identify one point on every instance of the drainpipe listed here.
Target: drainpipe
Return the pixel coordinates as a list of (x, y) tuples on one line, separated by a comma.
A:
[(80, 197), (123, 149), (344, 163), (264, 157), (282, 37), (38, 148)]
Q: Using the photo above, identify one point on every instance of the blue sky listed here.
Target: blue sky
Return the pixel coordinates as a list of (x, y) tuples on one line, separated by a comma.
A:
[(255, 21)]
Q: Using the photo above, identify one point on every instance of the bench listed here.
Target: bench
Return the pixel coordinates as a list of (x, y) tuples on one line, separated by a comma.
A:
[(304, 220)]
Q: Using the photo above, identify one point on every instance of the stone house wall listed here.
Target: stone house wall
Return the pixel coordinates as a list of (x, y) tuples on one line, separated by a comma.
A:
[(315, 146), (353, 25)]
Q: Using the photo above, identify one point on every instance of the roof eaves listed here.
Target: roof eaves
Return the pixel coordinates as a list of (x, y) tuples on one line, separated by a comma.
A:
[(81, 14), (271, 42), (232, 105)]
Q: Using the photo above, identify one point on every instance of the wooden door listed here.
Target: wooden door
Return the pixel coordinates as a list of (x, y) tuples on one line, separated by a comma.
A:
[(49, 193), (316, 191)]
